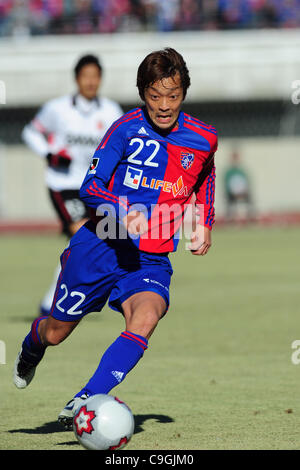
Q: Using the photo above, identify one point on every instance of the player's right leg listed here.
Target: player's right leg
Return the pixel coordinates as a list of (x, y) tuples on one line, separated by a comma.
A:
[(73, 214), (87, 276), (44, 332)]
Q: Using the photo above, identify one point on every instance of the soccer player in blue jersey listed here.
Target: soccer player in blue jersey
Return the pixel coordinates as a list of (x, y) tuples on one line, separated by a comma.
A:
[(146, 170)]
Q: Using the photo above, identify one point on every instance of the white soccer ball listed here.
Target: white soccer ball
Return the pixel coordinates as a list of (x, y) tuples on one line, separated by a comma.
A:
[(103, 422)]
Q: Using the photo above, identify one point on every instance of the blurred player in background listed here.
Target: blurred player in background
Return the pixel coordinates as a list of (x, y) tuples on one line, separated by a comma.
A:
[(238, 198), (152, 159), (65, 132)]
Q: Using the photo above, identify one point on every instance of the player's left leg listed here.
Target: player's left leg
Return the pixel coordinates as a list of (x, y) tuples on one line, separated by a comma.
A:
[(142, 312), (141, 294)]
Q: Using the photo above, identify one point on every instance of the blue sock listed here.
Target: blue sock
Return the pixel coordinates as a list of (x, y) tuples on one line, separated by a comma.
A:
[(116, 362), (32, 348)]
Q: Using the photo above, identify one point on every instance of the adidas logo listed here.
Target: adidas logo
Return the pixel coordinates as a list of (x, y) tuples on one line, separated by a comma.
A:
[(118, 375), (143, 131)]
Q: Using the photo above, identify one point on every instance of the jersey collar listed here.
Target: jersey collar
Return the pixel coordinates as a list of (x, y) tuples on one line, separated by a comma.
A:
[(159, 131), (84, 105)]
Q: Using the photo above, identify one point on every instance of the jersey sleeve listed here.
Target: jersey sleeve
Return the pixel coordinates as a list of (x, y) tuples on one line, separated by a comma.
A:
[(205, 191), (94, 190), (45, 120), (35, 134)]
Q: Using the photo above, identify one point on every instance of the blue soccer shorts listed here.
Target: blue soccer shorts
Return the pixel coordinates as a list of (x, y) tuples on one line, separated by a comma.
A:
[(95, 271)]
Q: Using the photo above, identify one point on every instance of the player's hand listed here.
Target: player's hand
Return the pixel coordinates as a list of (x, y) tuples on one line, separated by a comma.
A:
[(135, 223), (200, 240), (60, 159)]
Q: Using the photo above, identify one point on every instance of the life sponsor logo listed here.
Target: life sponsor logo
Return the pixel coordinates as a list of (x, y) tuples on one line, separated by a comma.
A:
[(177, 189), (134, 179)]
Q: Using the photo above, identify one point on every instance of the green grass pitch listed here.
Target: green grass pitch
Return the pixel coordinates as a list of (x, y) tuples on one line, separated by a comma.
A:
[(218, 372)]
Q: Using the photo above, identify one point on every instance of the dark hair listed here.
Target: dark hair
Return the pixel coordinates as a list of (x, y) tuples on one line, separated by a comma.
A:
[(162, 64), (86, 60)]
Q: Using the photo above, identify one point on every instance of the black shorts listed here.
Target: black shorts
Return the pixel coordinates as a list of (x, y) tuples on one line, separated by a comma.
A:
[(69, 207)]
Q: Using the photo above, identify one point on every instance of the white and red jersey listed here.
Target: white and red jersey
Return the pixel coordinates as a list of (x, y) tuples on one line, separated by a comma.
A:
[(75, 125)]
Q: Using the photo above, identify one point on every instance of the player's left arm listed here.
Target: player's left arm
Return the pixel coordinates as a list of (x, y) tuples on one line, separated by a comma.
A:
[(201, 239)]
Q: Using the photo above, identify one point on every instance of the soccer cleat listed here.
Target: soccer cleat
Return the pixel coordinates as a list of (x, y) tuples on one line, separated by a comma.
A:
[(23, 372), (65, 417)]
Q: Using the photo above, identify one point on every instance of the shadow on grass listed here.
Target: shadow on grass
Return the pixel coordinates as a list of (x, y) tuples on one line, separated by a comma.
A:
[(141, 419), (47, 428), (53, 426)]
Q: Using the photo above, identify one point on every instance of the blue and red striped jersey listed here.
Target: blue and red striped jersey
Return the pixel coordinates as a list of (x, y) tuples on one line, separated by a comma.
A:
[(137, 165)]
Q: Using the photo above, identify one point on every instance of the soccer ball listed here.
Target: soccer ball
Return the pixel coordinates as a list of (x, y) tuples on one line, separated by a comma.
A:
[(103, 422)]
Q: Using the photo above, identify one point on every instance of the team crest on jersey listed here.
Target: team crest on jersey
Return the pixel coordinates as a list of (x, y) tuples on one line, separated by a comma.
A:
[(93, 166), (187, 160)]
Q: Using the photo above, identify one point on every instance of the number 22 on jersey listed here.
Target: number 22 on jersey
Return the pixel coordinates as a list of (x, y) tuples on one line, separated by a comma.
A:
[(152, 144)]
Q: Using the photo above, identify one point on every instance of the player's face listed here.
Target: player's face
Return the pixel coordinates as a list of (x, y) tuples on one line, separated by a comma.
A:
[(163, 101), (88, 81)]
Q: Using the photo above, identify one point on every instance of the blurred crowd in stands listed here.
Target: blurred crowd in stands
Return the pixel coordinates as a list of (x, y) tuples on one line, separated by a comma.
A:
[(37, 17)]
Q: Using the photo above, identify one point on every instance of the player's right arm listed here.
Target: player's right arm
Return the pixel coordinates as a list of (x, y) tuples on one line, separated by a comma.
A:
[(95, 190), (34, 135)]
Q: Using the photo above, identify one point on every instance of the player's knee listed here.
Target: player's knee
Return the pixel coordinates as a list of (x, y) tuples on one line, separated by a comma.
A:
[(52, 337), (143, 324), (150, 320)]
